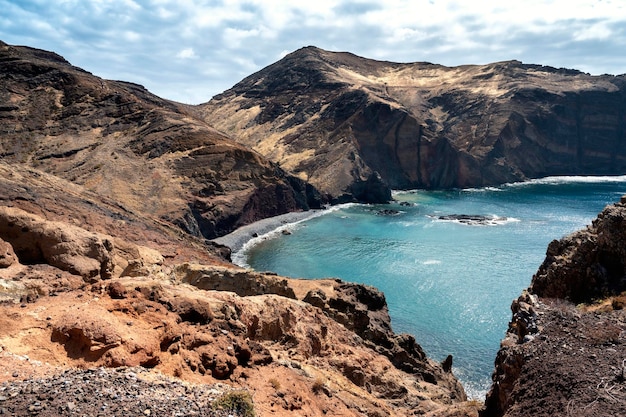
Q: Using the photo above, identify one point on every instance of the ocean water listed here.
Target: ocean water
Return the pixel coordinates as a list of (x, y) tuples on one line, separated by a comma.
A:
[(447, 282)]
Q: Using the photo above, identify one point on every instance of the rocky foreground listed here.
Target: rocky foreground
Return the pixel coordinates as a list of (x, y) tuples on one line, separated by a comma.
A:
[(75, 299)]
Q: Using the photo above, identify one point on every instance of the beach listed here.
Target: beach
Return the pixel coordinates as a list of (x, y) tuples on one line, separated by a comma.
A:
[(237, 239)]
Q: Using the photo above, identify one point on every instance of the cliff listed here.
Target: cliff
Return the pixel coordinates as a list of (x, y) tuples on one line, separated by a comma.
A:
[(149, 155), (565, 349), (341, 121), (113, 301)]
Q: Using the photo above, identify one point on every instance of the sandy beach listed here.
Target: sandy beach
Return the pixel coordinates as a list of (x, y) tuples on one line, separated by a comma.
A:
[(237, 239)]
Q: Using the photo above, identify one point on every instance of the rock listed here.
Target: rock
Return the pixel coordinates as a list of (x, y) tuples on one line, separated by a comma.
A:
[(570, 308), (7, 255), (387, 212), (587, 264), (66, 247), (473, 219), (240, 282)]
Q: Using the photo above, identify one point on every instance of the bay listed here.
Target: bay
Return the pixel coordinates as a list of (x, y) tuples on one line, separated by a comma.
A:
[(447, 281)]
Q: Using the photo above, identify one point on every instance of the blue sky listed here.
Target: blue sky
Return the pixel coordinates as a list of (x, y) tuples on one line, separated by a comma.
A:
[(188, 50)]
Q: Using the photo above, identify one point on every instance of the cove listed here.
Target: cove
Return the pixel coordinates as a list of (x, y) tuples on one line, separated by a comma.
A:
[(449, 262)]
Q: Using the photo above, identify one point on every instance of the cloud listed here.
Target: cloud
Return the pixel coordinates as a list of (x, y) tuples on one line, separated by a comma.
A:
[(189, 50), (186, 53)]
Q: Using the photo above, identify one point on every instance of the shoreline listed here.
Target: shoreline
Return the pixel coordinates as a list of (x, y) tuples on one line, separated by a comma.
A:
[(237, 239)]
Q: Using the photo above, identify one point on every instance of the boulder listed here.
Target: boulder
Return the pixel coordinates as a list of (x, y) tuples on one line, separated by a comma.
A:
[(7, 255), (70, 248)]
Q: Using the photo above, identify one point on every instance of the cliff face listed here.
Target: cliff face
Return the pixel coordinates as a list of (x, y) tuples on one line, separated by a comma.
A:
[(149, 154), (334, 119), (565, 348)]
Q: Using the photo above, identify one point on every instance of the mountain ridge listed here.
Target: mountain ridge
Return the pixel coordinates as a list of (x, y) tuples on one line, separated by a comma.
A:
[(422, 125)]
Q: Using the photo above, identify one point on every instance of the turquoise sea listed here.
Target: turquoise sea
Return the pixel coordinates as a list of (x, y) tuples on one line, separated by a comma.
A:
[(448, 283)]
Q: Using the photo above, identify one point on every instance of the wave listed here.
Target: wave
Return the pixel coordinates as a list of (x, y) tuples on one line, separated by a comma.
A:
[(569, 179), (551, 180), (277, 229)]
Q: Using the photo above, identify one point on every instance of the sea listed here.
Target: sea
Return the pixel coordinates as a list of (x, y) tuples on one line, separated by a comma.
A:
[(449, 262)]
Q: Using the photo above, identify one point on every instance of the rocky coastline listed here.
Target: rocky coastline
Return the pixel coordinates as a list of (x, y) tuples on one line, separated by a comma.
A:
[(118, 297), (565, 349)]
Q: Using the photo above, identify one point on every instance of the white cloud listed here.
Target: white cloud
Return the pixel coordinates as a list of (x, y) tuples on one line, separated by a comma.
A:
[(229, 39), (186, 53)]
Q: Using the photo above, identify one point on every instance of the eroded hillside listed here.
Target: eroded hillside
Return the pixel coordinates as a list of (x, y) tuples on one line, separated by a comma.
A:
[(145, 153), (336, 119)]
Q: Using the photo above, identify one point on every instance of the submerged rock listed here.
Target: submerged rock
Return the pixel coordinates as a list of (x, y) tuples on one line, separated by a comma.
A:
[(473, 219)]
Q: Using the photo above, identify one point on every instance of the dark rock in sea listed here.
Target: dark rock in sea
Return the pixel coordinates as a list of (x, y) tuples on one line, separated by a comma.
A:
[(387, 212), (473, 219)]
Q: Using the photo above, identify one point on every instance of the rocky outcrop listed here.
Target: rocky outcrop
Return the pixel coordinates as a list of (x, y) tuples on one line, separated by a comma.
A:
[(7, 255), (150, 155), (69, 248), (336, 119), (295, 356), (565, 347)]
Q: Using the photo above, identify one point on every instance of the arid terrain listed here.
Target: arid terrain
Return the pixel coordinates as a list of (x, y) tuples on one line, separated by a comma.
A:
[(115, 299)]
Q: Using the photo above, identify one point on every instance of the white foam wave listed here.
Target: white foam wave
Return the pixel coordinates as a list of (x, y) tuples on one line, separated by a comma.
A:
[(481, 190), (240, 257), (570, 179), (551, 180), (431, 262)]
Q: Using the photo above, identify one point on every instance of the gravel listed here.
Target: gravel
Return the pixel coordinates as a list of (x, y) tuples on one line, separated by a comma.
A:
[(109, 392)]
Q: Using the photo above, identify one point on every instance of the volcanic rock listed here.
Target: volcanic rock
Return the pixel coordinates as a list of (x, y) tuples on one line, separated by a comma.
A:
[(566, 343), (148, 154), (336, 120)]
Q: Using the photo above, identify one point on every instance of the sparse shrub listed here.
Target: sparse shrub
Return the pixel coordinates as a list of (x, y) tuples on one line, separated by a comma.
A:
[(318, 385), (274, 383), (239, 402)]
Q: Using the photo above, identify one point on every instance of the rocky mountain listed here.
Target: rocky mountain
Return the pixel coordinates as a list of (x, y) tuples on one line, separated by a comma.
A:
[(565, 350), (344, 123), (150, 155), (113, 301)]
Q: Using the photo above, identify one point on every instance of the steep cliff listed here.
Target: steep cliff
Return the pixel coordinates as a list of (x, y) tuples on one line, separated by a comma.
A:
[(565, 349), (336, 119), (149, 154)]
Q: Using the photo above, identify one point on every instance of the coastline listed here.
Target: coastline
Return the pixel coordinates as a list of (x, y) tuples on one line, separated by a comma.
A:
[(237, 239)]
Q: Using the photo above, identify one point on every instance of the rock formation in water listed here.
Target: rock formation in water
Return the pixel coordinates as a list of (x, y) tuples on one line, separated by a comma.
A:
[(107, 195), (336, 120), (565, 350), (148, 154)]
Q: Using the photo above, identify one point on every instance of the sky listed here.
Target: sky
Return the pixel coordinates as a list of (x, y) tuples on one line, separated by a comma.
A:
[(191, 50)]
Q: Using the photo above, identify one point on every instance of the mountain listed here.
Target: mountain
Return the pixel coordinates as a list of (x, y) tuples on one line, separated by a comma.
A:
[(148, 154), (112, 299), (344, 123)]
